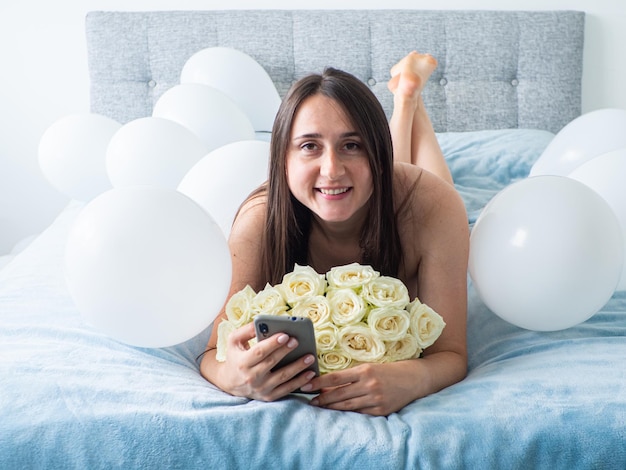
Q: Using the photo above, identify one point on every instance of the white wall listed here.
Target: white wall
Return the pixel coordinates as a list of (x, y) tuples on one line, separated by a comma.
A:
[(44, 77)]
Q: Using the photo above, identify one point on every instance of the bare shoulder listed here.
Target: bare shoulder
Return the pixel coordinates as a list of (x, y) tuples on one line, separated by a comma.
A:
[(250, 218), (434, 233), (419, 193), (430, 213), (245, 243)]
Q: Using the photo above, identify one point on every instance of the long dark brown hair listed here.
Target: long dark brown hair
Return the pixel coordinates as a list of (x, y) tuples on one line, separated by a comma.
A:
[(288, 222)]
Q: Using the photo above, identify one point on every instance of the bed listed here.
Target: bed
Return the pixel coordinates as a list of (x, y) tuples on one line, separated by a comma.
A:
[(72, 397)]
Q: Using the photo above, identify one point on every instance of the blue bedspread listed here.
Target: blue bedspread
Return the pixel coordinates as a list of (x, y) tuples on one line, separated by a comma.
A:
[(70, 397)]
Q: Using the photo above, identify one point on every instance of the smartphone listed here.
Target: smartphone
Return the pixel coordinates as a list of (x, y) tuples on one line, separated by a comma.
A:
[(300, 328)]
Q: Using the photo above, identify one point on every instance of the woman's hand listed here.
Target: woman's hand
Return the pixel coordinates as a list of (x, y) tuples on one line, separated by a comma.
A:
[(376, 389), (247, 371), (382, 389)]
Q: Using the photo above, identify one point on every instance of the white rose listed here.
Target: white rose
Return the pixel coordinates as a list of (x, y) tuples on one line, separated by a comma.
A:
[(269, 301), (333, 360), (224, 329), (404, 348), (346, 306), (352, 276), (326, 338), (359, 342), (238, 309), (316, 308), (389, 323), (386, 291), (426, 324), (300, 283)]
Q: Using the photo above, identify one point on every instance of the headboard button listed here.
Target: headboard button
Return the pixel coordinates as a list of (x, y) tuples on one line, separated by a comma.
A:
[(515, 82), (371, 81), (443, 82), (151, 83)]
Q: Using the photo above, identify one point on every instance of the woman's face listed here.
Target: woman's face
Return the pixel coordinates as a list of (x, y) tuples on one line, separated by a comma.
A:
[(327, 167)]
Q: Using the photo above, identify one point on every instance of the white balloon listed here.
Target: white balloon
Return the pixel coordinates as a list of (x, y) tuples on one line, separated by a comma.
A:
[(147, 265), (223, 179), (584, 138), (606, 175), (152, 151), (546, 253), (72, 154), (207, 112), (239, 76)]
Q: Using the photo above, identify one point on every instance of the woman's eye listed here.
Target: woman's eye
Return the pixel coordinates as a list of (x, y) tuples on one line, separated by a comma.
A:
[(309, 146), (352, 146)]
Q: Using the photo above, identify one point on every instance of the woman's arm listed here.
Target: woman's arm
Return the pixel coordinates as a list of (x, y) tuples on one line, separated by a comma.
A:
[(247, 370)]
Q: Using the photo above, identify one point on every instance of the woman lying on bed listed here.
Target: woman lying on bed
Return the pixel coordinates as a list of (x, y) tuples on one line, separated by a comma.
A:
[(335, 196)]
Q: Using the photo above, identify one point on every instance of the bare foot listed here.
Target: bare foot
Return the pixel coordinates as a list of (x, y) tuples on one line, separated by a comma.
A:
[(409, 76)]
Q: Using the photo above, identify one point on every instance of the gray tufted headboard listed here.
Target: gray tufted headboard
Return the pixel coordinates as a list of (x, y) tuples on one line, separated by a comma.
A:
[(497, 69)]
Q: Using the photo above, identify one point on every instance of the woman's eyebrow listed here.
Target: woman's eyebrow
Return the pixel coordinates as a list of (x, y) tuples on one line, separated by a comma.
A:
[(316, 135), (312, 135)]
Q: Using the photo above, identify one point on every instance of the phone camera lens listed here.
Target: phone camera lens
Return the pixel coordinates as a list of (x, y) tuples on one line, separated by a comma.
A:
[(263, 328)]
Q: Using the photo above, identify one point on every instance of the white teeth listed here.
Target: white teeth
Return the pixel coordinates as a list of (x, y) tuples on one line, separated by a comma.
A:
[(333, 192)]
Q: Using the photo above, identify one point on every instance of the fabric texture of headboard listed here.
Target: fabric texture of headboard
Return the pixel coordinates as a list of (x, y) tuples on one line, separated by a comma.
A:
[(497, 69)]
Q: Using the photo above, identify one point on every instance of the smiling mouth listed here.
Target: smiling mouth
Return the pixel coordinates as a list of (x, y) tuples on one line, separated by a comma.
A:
[(333, 192)]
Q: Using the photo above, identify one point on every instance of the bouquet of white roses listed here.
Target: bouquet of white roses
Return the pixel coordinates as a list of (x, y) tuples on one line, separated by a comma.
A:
[(358, 315)]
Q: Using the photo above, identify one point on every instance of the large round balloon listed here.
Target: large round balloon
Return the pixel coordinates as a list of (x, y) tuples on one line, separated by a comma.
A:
[(584, 138), (72, 154), (207, 112), (147, 265), (218, 183), (152, 151), (546, 253), (606, 175), (242, 78)]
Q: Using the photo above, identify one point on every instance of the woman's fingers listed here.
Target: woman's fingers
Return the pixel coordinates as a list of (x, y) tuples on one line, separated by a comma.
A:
[(254, 364), (240, 337), (364, 389)]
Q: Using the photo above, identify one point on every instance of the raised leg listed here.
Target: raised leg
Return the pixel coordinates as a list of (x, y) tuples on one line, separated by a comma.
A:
[(414, 139)]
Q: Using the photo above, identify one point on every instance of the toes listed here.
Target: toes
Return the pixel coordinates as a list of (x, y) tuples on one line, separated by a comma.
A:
[(403, 63), (427, 63), (421, 64)]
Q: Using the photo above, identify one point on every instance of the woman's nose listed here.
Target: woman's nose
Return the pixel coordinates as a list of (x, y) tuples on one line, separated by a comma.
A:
[(332, 167)]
